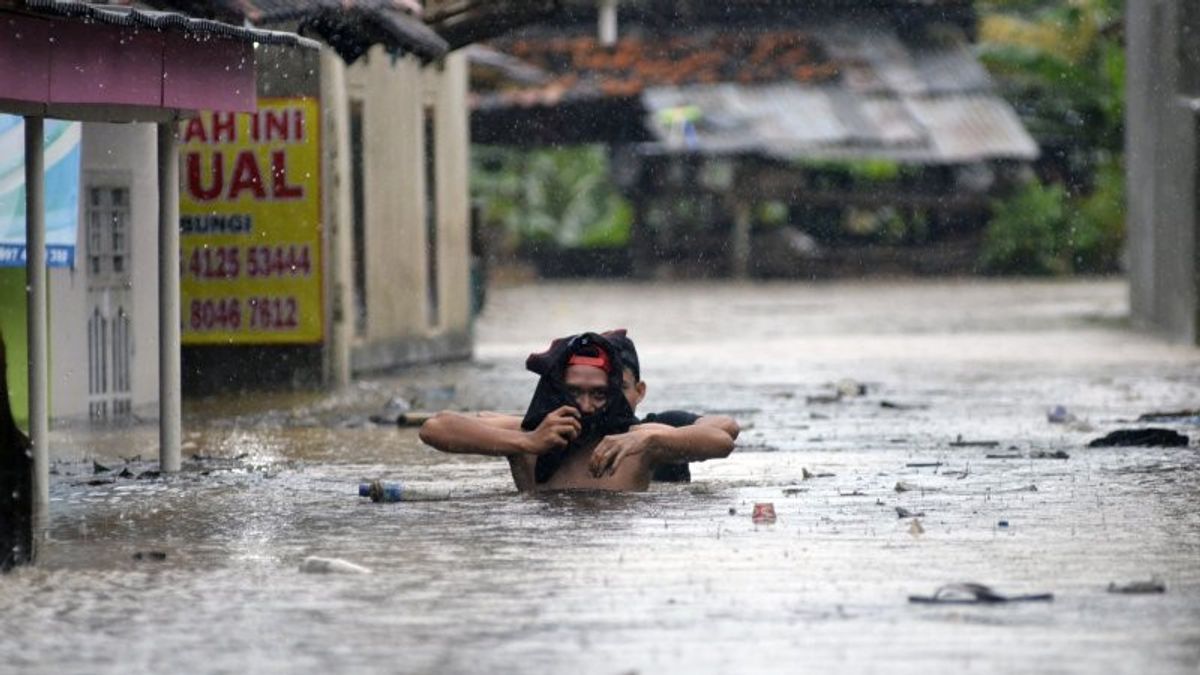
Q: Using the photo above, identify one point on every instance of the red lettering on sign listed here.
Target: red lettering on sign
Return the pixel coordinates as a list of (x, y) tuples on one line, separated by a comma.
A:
[(195, 186), (226, 127), (279, 183), (246, 176), (277, 127), (195, 131)]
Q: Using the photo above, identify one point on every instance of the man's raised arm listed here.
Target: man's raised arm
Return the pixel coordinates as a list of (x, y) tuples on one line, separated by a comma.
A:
[(722, 422), (499, 435), (663, 444)]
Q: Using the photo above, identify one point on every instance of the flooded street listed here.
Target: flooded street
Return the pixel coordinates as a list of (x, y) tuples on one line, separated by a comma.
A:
[(679, 579)]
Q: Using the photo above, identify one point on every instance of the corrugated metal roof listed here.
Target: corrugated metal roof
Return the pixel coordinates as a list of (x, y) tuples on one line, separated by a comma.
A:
[(972, 127), (127, 16), (791, 121)]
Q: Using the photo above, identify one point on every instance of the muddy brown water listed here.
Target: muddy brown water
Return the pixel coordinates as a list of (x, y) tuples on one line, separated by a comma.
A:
[(678, 579)]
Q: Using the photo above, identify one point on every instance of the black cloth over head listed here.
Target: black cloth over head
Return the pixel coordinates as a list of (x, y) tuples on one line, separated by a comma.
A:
[(551, 394)]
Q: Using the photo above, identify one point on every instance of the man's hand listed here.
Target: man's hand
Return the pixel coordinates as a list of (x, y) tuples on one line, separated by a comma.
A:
[(556, 430), (612, 450)]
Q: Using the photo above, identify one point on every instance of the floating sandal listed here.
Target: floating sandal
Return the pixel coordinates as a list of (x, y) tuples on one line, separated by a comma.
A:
[(974, 594)]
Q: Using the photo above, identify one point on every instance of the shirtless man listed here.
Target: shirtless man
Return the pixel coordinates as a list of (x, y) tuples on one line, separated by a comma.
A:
[(624, 460)]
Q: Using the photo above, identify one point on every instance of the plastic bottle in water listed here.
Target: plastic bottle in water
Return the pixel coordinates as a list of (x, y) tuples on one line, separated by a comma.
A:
[(387, 491), (380, 491)]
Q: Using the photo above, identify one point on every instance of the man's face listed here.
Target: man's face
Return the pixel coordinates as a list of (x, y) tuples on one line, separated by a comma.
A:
[(588, 386)]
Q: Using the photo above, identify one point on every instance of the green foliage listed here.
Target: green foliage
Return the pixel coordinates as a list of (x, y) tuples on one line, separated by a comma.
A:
[(1040, 230), (1098, 222), (1028, 232), (1060, 65), (562, 196)]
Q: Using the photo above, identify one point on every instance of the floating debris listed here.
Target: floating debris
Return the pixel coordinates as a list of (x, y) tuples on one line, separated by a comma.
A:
[(1186, 416), (150, 555), (1059, 415), (849, 387), (1003, 455), (1151, 437), (975, 594), (316, 565), (97, 467), (960, 443), (905, 486), (808, 475), (1049, 454), (853, 493), (793, 491), (764, 513), (922, 465), (892, 405), (1138, 587), (902, 512)]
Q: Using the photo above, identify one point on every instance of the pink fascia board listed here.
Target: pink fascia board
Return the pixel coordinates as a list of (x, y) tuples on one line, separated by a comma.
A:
[(24, 58), (99, 64), (208, 73)]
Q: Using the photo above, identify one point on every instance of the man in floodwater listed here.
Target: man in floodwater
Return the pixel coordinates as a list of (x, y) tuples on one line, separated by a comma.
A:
[(580, 431)]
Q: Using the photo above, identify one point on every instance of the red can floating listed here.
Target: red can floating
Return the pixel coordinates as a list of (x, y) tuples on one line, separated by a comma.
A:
[(764, 512)]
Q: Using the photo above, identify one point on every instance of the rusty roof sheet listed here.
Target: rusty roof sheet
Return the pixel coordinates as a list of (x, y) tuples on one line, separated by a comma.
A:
[(833, 89)]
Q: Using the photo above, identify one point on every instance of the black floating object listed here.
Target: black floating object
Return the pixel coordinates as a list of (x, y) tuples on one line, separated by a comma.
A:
[(1150, 437), (974, 594), (150, 555), (149, 474), (97, 467), (1169, 416), (1138, 587), (125, 473)]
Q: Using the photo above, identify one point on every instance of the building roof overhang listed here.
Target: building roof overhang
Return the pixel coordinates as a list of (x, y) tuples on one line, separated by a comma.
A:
[(75, 60)]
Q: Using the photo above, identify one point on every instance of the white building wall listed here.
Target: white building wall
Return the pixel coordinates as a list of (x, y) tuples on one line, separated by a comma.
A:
[(111, 155), (394, 94)]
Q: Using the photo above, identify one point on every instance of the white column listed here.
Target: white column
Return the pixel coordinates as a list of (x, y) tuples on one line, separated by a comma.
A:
[(35, 284), (169, 397)]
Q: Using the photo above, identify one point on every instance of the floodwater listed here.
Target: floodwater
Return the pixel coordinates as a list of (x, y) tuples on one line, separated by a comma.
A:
[(678, 579)]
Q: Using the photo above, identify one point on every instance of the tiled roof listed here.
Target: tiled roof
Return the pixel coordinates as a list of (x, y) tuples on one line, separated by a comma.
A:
[(578, 66), (821, 89)]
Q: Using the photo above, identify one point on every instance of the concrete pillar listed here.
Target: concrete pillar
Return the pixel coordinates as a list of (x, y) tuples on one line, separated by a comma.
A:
[(36, 293), (739, 244), (338, 216), (170, 403)]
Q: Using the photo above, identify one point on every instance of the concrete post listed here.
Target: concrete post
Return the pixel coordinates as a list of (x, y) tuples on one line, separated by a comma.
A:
[(169, 396), (338, 214), (35, 274), (739, 249)]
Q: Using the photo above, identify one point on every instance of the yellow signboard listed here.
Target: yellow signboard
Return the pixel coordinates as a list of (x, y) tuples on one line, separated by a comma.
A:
[(250, 225)]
